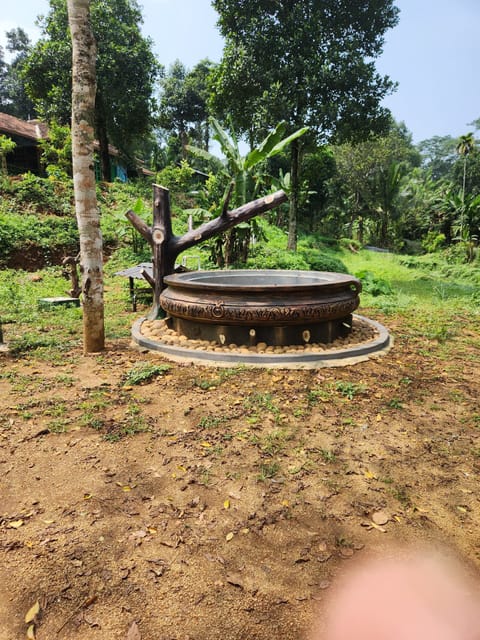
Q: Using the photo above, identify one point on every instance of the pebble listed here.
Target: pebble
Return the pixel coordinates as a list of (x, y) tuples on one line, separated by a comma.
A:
[(158, 330)]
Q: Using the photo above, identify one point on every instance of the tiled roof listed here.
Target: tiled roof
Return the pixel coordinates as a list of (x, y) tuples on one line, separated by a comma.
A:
[(31, 129)]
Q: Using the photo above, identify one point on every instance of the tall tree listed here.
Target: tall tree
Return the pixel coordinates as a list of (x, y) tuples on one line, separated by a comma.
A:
[(368, 178), (306, 62), (83, 115), (126, 71), (19, 104), (183, 107), (438, 156), (465, 146), (3, 77)]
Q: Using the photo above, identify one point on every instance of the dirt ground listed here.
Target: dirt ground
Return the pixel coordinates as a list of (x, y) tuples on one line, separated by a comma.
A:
[(223, 504)]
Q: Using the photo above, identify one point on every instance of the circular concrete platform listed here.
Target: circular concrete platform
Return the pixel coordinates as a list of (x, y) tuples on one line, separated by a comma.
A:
[(333, 355)]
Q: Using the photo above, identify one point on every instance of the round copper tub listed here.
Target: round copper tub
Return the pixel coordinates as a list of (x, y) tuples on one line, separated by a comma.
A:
[(252, 306)]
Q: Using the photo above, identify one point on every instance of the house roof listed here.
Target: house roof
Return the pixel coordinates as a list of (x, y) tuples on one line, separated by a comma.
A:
[(31, 129), (35, 130)]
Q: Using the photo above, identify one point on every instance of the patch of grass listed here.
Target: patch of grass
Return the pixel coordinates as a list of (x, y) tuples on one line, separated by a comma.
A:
[(212, 383), (210, 422), (400, 494), (93, 421), (350, 389), (268, 470), (314, 395), (260, 400), (328, 455), (395, 403), (133, 422), (31, 342), (275, 442), (59, 425), (143, 373)]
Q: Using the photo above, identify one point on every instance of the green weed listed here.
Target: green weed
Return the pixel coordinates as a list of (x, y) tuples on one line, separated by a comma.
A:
[(350, 389), (275, 442), (395, 403), (210, 422), (143, 373), (268, 470), (327, 455)]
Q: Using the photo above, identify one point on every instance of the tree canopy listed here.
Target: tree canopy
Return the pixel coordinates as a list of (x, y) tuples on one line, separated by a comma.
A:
[(126, 71), (13, 97), (183, 107), (307, 63)]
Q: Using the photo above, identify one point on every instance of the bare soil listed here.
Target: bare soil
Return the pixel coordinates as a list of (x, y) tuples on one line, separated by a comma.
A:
[(213, 504)]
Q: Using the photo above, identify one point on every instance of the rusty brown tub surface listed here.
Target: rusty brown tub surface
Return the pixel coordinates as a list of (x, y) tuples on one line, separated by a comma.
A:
[(246, 307)]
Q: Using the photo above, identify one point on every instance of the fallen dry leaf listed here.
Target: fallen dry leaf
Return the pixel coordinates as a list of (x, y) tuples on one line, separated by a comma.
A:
[(31, 632), (134, 632), (229, 536), (32, 613), (15, 524)]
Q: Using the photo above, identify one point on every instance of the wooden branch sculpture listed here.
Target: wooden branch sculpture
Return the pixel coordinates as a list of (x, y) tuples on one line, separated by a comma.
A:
[(166, 246)]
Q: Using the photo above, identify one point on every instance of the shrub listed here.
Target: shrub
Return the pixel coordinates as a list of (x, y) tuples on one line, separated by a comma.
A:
[(349, 243), (321, 261), (43, 194), (31, 241), (266, 257), (373, 285), (433, 241)]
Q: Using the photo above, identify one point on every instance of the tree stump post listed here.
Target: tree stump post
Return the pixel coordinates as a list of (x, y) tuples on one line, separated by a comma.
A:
[(166, 246)]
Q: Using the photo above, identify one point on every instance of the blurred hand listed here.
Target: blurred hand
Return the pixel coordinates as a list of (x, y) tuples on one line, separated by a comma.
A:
[(419, 597)]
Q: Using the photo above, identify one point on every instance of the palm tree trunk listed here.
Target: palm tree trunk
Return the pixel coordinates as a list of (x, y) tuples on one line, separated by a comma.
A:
[(295, 195)]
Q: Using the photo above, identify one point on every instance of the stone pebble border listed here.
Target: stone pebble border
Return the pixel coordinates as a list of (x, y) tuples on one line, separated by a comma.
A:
[(368, 339)]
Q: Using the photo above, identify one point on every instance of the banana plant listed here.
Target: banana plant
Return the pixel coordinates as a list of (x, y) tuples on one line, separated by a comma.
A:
[(242, 172), (242, 169)]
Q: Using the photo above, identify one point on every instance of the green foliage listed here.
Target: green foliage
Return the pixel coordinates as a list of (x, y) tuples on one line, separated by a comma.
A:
[(438, 156), (144, 372), (306, 63), (433, 241), (7, 145), (126, 71), (350, 389), (38, 223), (245, 170), (367, 190), (183, 109), (244, 177), (57, 151), (29, 241), (254, 84), (40, 194), (373, 285), (349, 243), (318, 260), (177, 179), (13, 97), (265, 257)]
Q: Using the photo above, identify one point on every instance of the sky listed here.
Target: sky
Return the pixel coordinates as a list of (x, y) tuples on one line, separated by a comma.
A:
[(432, 53)]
